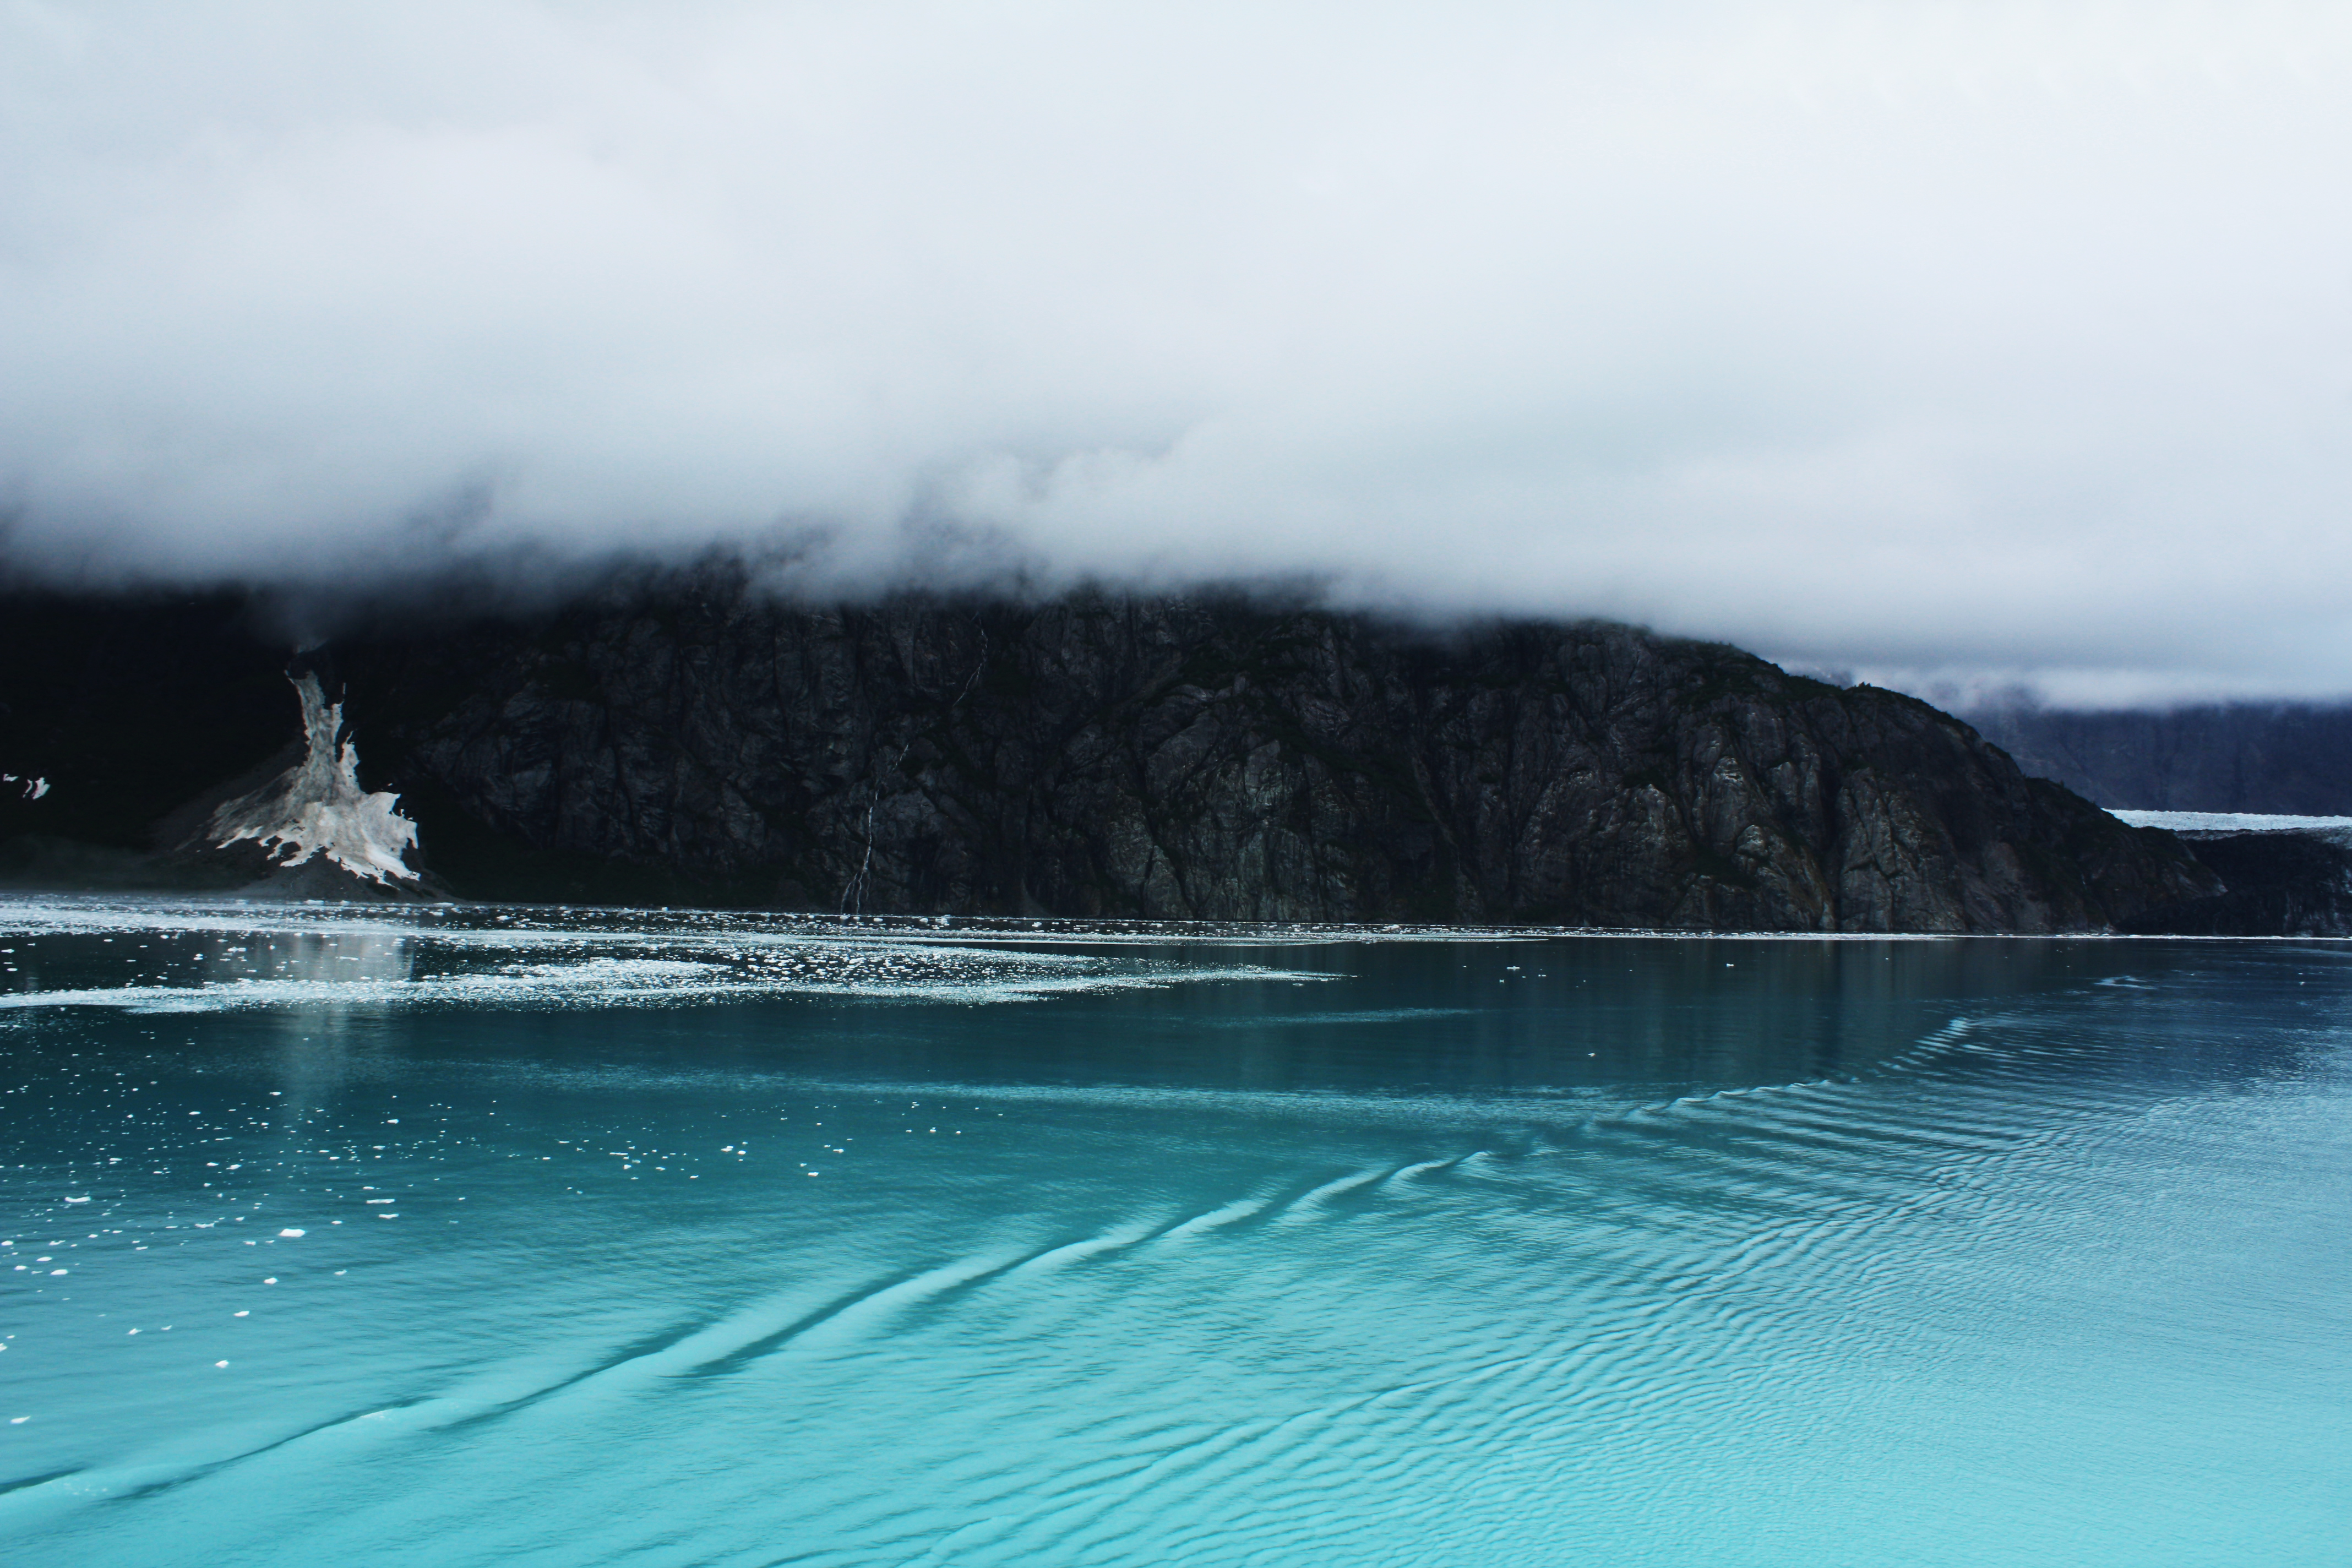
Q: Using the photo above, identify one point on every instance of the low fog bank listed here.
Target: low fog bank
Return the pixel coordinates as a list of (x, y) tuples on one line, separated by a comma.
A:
[(1986, 345)]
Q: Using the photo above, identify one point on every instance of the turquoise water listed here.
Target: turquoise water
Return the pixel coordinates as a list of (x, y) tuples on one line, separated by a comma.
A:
[(516, 1237)]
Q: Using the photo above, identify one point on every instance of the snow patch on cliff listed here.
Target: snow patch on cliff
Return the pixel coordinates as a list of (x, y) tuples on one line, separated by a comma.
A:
[(317, 806)]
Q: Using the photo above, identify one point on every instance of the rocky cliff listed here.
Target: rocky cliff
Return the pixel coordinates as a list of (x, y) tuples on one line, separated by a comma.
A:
[(1222, 759), (2276, 882), (1198, 758)]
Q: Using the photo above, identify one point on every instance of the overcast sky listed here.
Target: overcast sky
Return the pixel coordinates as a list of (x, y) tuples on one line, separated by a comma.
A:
[(1962, 342)]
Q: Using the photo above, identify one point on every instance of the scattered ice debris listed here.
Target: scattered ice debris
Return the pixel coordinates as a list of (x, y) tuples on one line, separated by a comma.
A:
[(277, 956), (318, 807), (34, 788)]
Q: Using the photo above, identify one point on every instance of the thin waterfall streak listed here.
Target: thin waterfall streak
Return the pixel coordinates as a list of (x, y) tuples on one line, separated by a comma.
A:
[(855, 890)]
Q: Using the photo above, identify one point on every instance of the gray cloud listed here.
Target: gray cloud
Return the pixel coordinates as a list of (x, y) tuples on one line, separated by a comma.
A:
[(1950, 343)]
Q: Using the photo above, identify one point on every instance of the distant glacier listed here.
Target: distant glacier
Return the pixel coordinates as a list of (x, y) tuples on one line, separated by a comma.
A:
[(2232, 822)]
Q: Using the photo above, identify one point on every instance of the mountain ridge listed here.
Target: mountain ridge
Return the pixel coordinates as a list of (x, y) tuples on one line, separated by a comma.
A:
[(2287, 758), (1212, 756)]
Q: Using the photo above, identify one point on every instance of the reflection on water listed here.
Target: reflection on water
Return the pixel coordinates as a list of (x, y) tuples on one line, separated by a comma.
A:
[(489, 1236)]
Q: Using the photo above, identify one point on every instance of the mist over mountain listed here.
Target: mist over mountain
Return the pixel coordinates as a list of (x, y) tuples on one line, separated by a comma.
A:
[(2290, 759), (1992, 343), (1999, 350)]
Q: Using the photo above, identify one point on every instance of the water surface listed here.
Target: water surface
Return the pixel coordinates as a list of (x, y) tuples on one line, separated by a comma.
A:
[(509, 1236)]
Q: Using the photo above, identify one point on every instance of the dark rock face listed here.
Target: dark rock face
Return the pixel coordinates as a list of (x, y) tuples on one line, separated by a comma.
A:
[(2274, 884), (1216, 759)]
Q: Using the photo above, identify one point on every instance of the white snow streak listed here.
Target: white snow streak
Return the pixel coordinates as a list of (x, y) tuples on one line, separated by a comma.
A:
[(318, 807)]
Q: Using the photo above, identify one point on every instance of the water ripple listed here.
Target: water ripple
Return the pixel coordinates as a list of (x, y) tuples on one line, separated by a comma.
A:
[(2048, 1275)]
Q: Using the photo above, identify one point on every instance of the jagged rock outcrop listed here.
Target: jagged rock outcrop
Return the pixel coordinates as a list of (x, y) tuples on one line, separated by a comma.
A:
[(1216, 759), (2274, 883)]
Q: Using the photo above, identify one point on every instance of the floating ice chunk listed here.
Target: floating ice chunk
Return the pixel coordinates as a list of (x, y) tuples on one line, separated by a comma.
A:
[(220, 1363), (293, 1230), (318, 807), (77, 1200)]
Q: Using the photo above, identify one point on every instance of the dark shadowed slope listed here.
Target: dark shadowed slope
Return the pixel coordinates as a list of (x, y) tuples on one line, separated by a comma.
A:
[(1221, 760)]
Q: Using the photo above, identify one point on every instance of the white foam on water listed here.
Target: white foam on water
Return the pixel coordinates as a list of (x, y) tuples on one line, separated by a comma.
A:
[(258, 956), (600, 983), (492, 925)]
